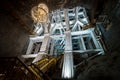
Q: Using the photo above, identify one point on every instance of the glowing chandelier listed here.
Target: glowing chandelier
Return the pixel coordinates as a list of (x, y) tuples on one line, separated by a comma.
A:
[(40, 13)]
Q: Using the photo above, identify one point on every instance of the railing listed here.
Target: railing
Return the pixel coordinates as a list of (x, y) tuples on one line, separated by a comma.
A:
[(80, 67), (12, 68), (38, 71)]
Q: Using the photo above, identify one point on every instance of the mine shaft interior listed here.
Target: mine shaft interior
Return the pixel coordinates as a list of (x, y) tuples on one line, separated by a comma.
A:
[(60, 40)]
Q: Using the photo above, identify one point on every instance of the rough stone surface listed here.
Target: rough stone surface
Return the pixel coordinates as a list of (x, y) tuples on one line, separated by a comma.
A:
[(106, 67), (13, 38)]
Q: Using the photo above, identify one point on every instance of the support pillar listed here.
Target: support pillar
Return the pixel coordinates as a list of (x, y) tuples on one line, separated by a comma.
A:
[(67, 71), (44, 48), (45, 44), (52, 47), (30, 47), (83, 43), (95, 40)]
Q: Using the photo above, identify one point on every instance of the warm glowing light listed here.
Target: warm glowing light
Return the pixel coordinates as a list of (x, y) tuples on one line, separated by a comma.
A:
[(40, 13)]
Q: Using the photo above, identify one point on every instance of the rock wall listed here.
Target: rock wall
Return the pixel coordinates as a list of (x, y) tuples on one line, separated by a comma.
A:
[(13, 38)]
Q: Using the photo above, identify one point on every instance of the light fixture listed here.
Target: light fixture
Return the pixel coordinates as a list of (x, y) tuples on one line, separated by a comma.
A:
[(40, 13)]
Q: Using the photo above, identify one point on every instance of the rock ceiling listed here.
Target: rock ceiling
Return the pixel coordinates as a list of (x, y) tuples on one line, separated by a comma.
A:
[(20, 9)]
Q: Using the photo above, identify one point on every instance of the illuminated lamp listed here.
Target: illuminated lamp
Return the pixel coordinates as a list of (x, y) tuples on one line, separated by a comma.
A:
[(40, 13)]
